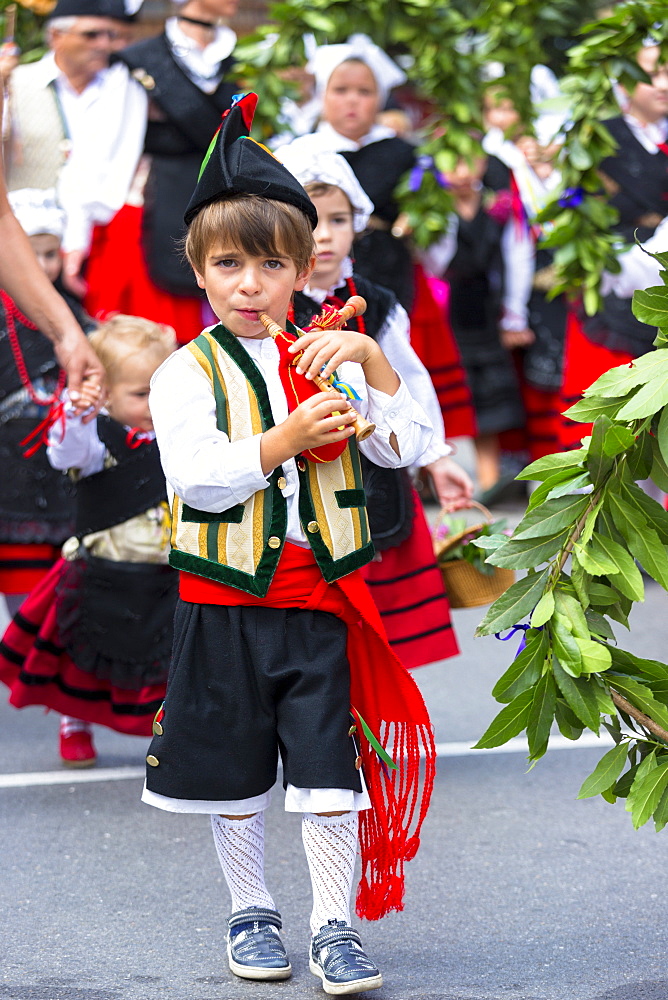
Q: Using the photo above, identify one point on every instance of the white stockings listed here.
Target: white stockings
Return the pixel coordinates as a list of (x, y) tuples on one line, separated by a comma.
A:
[(240, 847), (330, 843)]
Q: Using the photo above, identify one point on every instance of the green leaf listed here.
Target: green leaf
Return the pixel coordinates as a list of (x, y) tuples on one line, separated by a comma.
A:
[(526, 668), (580, 697), (541, 716), (652, 511), (568, 722), (661, 812), (510, 722), (517, 602), (651, 306), (598, 625), (606, 772), (641, 697), (595, 656), (571, 486), (659, 470), (647, 400), (617, 440), (599, 463), (627, 578), (543, 610), (581, 582), (662, 434), (623, 786), (552, 516), (527, 553), (646, 547), (628, 663), (594, 559), (601, 595), (572, 610), (565, 647), (621, 380), (544, 467), (586, 410), (646, 791)]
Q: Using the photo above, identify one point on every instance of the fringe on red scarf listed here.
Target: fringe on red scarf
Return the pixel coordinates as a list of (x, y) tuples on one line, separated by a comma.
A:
[(385, 695)]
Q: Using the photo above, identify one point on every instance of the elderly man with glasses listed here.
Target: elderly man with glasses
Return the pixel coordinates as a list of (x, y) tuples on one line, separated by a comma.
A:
[(78, 122)]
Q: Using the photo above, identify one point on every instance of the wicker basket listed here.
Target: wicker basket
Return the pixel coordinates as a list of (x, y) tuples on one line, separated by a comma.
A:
[(467, 587)]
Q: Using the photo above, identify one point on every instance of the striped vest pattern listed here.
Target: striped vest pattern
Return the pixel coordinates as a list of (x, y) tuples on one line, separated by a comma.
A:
[(241, 546), (39, 143)]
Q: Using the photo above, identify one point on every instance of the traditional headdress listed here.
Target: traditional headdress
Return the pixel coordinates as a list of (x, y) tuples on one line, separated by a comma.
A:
[(236, 164), (311, 167), (328, 57), (37, 211)]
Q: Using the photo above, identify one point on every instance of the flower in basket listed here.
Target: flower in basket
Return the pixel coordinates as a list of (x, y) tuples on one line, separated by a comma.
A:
[(456, 539)]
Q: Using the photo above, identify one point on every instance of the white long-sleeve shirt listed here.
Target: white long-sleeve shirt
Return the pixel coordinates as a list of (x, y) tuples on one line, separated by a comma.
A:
[(211, 473)]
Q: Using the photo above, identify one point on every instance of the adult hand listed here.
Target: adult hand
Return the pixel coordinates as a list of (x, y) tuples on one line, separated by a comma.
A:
[(452, 485), (82, 364), (72, 265), (517, 338)]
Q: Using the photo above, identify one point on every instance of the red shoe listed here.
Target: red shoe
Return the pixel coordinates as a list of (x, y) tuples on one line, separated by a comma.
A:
[(77, 750)]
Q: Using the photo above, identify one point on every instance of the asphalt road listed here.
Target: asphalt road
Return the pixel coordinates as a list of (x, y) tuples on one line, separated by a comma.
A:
[(519, 892)]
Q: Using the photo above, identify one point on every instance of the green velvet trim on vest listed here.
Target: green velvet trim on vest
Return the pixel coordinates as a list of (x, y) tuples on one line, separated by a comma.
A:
[(222, 422), (233, 515), (350, 498)]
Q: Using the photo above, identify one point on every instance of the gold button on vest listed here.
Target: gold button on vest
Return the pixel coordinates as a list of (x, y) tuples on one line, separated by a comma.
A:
[(157, 729), (273, 542), (301, 465), (282, 483), (358, 762), (153, 761), (313, 527)]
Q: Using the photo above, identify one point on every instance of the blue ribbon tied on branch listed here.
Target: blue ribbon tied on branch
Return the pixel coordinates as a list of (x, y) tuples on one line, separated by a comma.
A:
[(425, 164), (571, 198), (516, 628)]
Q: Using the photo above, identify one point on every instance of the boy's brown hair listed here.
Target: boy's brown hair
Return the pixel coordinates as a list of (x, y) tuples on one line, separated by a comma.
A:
[(258, 226), (122, 337)]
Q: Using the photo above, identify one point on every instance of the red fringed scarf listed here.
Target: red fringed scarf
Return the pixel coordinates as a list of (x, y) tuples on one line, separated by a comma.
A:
[(386, 697)]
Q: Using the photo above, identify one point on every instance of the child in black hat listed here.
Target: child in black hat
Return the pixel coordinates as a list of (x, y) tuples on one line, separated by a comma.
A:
[(278, 647)]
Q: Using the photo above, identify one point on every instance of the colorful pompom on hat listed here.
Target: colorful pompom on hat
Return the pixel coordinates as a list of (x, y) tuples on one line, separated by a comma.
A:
[(236, 164)]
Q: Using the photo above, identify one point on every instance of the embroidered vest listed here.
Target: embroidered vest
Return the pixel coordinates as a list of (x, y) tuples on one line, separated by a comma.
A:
[(241, 546), (39, 142)]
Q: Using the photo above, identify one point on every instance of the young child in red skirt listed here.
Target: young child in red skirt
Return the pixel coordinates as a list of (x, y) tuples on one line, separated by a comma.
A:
[(93, 639), (404, 579), (276, 639)]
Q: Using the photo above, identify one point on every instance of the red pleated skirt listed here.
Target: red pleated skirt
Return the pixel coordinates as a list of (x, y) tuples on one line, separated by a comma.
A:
[(23, 566), (407, 588), (119, 282), (38, 671), (584, 362), (434, 343)]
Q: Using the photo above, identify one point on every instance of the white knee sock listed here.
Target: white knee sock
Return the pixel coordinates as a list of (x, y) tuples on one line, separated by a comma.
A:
[(240, 847), (330, 843)]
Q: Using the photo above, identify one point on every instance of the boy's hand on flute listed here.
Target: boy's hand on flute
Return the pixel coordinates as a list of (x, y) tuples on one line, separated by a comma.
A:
[(325, 350), (310, 425)]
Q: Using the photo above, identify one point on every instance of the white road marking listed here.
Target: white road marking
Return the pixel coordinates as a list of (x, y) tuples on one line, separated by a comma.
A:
[(74, 777), (459, 749)]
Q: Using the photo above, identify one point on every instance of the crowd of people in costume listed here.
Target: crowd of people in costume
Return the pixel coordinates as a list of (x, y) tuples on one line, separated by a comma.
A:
[(211, 560)]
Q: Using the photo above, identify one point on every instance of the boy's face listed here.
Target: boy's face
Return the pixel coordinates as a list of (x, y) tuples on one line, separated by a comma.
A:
[(649, 102), (240, 286), (47, 251), (500, 112), (333, 236)]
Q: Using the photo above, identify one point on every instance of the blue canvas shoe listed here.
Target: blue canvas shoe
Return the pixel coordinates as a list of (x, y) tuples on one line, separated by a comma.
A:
[(254, 948), (338, 959)]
